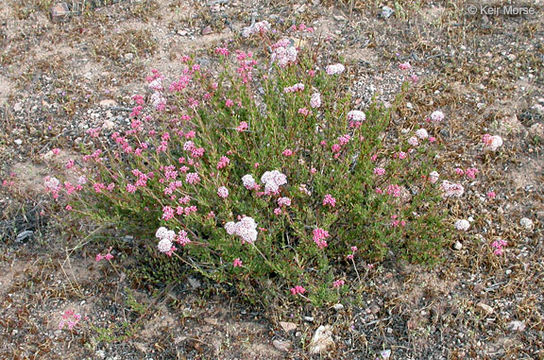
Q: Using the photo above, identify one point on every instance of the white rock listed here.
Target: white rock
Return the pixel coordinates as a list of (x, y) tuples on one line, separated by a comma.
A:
[(322, 340), (108, 124), (387, 12), (18, 141), (385, 354), (282, 345), (108, 103), (457, 245), (338, 307), (526, 223), (516, 325), (486, 308), (288, 326)]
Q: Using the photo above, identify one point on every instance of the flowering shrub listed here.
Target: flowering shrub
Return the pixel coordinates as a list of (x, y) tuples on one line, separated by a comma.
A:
[(261, 172)]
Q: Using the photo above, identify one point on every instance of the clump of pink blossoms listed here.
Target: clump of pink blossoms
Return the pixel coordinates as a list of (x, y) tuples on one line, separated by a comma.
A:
[(356, 118), (70, 319), (329, 200), (498, 245), (297, 290), (319, 237), (433, 177), (295, 88)]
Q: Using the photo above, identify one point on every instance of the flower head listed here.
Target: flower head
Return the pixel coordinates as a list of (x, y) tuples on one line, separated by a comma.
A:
[(437, 116), (335, 69), (223, 192), (462, 225)]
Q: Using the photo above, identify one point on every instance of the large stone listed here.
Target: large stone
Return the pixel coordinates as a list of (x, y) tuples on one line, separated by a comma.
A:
[(60, 12), (322, 340), (288, 326)]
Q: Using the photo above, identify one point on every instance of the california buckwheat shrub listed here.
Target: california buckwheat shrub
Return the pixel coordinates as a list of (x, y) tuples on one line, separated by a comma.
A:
[(260, 168)]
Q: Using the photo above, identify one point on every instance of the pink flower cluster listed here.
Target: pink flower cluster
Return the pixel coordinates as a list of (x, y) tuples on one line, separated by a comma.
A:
[(70, 319), (246, 229), (433, 177), (329, 200), (237, 263), (498, 245), (301, 27), (405, 66), (379, 171), (284, 201), (297, 290), (338, 283), (223, 162), (470, 172), (108, 256), (437, 116), (462, 225), (243, 126), (353, 251), (315, 100), (319, 237)]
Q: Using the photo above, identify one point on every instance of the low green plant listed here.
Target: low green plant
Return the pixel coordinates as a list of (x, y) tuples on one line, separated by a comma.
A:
[(261, 174)]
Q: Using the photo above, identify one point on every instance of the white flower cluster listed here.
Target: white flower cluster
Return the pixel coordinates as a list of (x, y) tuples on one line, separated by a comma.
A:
[(493, 143), (451, 189), (166, 238), (356, 115), (335, 69), (256, 28), (284, 53), (462, 225), (433, 177), (246, 229), (51, 183), (249, 182), (437, 116), (272, 181), (157, 98), (315, 100), (422, 134)]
